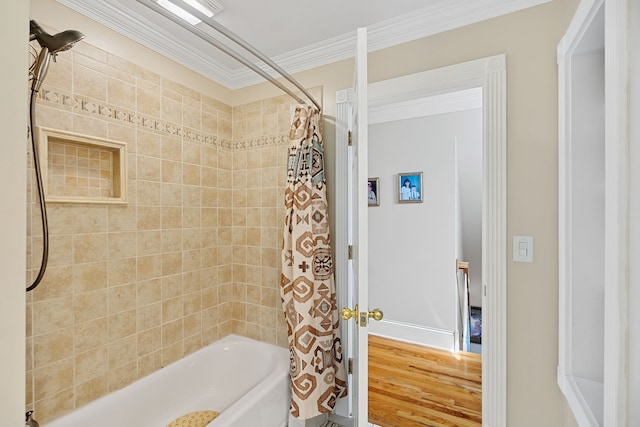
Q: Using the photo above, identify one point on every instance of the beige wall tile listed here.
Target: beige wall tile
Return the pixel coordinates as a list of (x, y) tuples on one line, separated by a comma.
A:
[(53, 378), (148, 316), (122, 298), (172, 352), (91, 364), (148, 292), (122, 376), (149, 267), (60, 250), (171, 217), (149, 341), (191, 260), (61, 75), (192, 238), (121, 93), (122, 324), (90, 83), (192, 282), (171, 194), (172, 332), (172, 263), (149, 101), (121, 271), (122, 244), (172, 309), (122, 352), (191, 116), (52, 347), (90, 335), (171, 240), (90, 390), (254, 197), (171, 286), (121, 69), (209, 122), (171, 171), (149, 168), (149, 363), (149, 242), (89, 306), (192, 217), (52, 315), (122, 218), (171, 109), (90, 247), (209, 217), (148, 143), (53, 407), (193, 342), (149, 218), (190, 174), (50, 116), (57, 282)]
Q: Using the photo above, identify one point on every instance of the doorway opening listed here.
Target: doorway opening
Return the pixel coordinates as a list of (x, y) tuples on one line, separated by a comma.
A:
[(490, 75)]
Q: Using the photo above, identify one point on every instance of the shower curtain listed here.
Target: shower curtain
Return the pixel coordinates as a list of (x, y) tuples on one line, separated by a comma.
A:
[(308, 292)]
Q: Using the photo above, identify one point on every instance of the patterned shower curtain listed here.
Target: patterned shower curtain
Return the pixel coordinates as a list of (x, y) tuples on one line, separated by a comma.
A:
[(318, 376)]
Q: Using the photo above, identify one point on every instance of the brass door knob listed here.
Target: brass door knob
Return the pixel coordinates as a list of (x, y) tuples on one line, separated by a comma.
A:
[(376, 314), (346, 313)]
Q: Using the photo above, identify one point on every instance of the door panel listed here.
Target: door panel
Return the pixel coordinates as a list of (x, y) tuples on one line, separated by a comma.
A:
[(359, 230)]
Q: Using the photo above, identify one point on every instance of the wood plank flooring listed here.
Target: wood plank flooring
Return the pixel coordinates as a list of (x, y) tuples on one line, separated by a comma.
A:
[(416, 386)]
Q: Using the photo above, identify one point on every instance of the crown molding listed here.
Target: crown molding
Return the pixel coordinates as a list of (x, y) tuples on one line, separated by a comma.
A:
[(441, 15)]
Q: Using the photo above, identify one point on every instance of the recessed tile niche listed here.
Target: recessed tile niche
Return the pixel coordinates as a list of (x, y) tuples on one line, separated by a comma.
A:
[(82, 169)]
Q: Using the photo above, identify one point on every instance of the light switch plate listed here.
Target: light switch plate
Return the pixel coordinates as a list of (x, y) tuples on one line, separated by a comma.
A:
[(523, 248)]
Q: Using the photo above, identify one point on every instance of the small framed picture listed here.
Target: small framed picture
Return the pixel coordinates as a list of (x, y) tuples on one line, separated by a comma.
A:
[(374, 191), (410, 187)]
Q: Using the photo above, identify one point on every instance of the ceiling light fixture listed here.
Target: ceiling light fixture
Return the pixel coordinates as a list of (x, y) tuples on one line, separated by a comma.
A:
[(210, 8)]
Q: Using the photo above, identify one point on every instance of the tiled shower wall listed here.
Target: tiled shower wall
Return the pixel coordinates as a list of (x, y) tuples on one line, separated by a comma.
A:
[(193, 256)]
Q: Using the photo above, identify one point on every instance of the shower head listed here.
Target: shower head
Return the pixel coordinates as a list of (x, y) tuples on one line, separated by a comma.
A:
[(56, 43), (50, 46)]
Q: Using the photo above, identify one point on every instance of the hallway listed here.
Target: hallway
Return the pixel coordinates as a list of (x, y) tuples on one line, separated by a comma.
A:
[(416, 386)]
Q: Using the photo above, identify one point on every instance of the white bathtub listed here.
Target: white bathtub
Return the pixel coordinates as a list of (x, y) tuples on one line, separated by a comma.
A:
[(247, 381)]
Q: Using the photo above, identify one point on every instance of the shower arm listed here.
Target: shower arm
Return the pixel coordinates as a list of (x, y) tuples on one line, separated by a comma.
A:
[(236, 39)]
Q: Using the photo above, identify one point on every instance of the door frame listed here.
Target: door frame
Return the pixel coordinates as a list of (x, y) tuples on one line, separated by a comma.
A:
[(489, 74)]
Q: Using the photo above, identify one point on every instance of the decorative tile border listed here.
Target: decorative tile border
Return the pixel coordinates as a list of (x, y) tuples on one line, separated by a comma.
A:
[(129, 117), (151, 123), (259, 142)]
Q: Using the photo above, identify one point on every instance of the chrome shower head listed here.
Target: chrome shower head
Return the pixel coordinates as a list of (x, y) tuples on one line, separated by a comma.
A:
[(56, 43), (50, 46)]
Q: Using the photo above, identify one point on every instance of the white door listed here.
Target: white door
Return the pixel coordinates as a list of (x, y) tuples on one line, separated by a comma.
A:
[(358, 228)]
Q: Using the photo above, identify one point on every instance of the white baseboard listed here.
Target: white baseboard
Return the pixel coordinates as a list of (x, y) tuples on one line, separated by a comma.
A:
[(423, 335)]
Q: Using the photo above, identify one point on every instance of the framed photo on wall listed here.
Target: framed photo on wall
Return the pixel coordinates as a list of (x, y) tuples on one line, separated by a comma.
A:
[(410, 187), (373, 188)]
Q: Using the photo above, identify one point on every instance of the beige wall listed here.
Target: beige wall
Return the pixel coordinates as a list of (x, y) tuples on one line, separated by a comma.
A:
[(13, 112)]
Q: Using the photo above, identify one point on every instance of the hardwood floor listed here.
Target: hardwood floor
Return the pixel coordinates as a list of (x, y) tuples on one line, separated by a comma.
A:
[(416, 386)]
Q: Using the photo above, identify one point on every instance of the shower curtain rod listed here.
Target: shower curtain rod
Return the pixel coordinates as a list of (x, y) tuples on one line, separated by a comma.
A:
[(236, 39)]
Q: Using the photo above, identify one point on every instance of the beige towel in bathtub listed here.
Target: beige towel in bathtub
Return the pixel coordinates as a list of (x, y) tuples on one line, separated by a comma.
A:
[(194, 419)]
